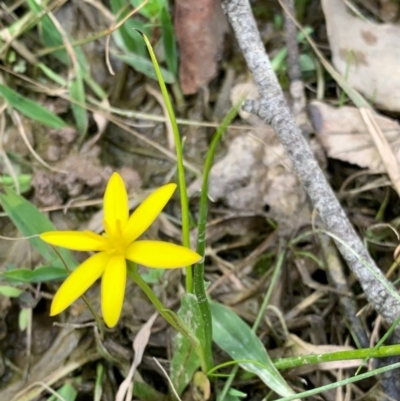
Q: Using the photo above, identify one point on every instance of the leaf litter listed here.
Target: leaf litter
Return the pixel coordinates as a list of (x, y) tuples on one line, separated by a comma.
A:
[(345, 136)]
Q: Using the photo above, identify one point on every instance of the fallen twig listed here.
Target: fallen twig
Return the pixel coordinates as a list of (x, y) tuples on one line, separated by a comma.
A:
[(273, 110)]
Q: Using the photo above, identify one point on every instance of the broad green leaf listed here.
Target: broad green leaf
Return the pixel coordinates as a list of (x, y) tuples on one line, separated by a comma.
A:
[(236, 338), (125, 37), (307, 63), (39, 275), (31, 109), (152, 9), (30, 221), (127, 41), (169, 42), (153, 276), (131, 26), (67, 392), (145, 66), (185, 360), (9, 291)]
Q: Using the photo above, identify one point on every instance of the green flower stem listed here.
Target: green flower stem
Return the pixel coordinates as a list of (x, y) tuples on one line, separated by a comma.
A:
[(340, 383), (99, 322), (179, 158), (172, 318), (199, 289), (274, 279), (137, 278), (292, 362)]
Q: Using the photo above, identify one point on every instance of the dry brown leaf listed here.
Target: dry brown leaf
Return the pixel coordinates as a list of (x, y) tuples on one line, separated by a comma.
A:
[(101, 118), (389, 159), (200, 387), (200, 27), (385, 10), (344, 135), (139, 345), (366, 53), (256, 175)]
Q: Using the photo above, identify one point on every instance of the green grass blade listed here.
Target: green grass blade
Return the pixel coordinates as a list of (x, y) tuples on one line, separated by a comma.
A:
[(30, 222), (179, 157), (77, 93), (169, 41), (30, 109), (340, 383), (145, 66), (52, 75), (237, 339)]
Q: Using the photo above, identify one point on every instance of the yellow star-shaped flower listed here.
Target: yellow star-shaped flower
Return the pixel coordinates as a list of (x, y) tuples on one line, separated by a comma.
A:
[(118, 244)]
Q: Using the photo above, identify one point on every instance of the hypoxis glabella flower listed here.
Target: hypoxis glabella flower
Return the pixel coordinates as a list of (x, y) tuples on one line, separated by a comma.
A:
[(118, 244)]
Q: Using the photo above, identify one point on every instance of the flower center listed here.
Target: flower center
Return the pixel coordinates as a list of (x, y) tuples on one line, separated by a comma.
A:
[(115, 238), (118, 245)]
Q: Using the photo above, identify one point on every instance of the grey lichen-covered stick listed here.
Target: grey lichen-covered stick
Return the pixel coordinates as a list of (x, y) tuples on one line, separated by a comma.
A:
[(273, 109)]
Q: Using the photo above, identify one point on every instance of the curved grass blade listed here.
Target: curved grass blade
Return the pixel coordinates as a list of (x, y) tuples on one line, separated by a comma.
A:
[(145, 66), (180, 164), (77, 93), (169, 41)]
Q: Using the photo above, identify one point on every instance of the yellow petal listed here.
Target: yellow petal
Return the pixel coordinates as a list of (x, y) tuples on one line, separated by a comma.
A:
[(79, 281), (159, 254), (116, 207), (147, 212), (76, 240), (113, 289)]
